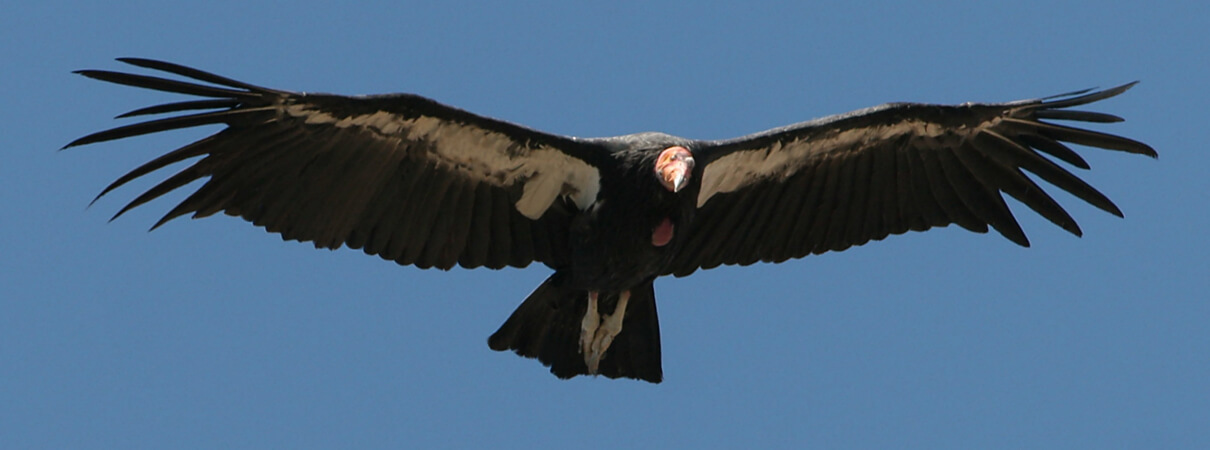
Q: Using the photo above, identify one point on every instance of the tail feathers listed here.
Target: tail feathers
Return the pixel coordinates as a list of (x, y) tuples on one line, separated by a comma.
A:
[(547, 326)]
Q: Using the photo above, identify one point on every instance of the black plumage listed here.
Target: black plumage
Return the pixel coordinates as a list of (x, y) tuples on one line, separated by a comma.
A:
[(425, 184)]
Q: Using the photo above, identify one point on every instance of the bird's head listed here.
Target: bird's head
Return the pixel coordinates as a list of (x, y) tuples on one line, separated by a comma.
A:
[(673, 167)]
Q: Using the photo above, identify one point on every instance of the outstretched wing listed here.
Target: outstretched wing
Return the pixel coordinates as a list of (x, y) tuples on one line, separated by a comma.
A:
[(832, 183), (399, 176)]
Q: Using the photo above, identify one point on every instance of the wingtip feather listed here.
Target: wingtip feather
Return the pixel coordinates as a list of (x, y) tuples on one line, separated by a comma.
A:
[(1084, 97)]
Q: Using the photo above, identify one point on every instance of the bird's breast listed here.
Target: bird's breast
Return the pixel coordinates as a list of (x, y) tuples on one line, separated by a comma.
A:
[(617, 248)]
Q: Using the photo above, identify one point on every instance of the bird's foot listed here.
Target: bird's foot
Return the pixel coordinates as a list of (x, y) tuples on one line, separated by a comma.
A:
[(590, 323), (596, 338)]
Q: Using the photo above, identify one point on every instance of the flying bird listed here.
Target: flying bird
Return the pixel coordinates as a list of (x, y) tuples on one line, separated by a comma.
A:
[(422, 183)]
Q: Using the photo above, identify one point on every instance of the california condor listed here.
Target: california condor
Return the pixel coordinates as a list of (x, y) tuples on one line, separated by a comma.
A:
[(421, 183)]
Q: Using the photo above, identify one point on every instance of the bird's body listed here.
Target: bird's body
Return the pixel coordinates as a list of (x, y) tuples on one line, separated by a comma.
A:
[(421, 183), (612, 239)]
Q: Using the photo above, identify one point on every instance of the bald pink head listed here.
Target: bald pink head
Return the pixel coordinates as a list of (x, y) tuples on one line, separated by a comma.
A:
[(674, 166)]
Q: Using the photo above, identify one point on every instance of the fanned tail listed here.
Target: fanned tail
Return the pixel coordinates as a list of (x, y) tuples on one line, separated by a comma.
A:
[(547, 326)]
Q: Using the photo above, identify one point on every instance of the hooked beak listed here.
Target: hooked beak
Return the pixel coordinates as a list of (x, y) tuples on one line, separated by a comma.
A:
[(674, 167), (678, 179)]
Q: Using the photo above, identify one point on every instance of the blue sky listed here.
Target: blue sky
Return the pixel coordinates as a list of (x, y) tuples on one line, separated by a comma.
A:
[(214, 334)]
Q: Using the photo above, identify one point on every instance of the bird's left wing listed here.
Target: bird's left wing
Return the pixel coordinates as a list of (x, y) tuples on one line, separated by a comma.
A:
[(832, 183), (399, 176)]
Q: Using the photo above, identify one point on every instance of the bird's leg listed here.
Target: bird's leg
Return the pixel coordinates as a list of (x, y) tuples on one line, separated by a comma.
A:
[(588, 326), (604, 334)]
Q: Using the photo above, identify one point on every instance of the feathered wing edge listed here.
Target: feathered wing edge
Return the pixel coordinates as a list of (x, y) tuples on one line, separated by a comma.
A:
[(229, 95)]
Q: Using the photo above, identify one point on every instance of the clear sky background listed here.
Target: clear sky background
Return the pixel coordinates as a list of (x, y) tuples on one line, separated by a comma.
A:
[(214, 334)]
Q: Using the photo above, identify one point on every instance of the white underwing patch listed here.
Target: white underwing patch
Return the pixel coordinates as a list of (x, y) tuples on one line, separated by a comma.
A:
[(482, 155), (745, 167)]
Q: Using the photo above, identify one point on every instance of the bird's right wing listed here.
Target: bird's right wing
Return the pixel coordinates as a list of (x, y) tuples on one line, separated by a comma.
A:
[(832, 183), (398, 176)]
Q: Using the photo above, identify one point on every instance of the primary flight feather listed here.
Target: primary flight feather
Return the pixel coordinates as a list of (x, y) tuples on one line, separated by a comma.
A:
[(421, 183)]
